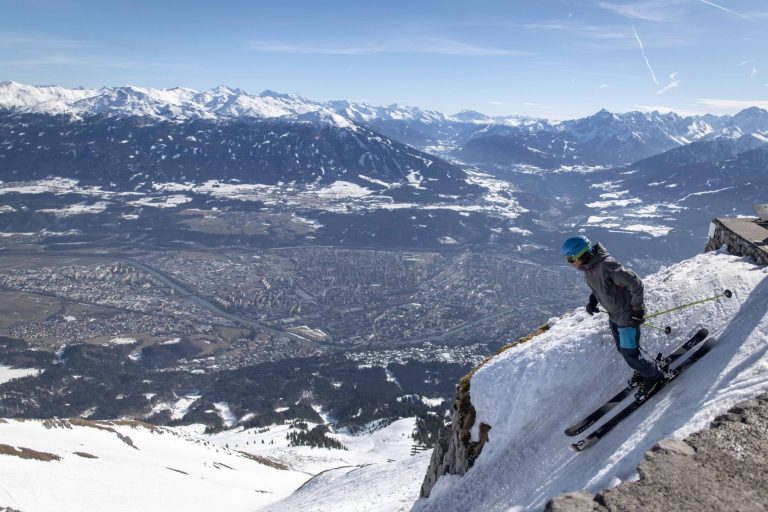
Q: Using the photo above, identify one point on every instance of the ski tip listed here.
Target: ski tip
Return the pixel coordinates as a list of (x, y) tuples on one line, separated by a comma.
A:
[(575, 448)]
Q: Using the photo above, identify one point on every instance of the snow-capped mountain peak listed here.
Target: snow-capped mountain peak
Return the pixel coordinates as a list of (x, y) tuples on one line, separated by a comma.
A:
[(175, 103), (472, 116), (751, 120), (46, 98)]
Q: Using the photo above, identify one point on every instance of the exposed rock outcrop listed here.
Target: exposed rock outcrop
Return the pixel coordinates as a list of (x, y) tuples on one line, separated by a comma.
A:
[(455, 452), (723, 468)]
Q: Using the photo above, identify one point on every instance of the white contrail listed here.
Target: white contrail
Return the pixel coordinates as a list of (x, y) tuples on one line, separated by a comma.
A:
[(673, 83), (647, 62), (727, 10)]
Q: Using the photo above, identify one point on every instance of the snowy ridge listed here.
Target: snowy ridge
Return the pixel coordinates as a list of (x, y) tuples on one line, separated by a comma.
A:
[(532, 392), (181, 103), (177, 103), (223, 103)]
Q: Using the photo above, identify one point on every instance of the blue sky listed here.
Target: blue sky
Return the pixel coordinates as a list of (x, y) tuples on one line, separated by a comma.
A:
[(547, 58)]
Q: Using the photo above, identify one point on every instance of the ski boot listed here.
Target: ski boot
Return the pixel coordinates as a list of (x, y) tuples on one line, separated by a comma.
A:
[(647, 388), (635, 380)]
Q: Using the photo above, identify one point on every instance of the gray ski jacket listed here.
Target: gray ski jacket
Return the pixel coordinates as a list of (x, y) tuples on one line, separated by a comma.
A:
[(617, 289)]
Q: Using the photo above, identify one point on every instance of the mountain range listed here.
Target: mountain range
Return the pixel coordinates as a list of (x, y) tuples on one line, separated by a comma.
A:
[(604, 138), (357, 170)]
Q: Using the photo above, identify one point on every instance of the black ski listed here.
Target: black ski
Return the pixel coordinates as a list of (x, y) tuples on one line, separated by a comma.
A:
[(619, 397), (606, 427)]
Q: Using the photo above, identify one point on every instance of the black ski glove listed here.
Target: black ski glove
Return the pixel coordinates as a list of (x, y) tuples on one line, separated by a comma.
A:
[(637, 317), (592, 305)]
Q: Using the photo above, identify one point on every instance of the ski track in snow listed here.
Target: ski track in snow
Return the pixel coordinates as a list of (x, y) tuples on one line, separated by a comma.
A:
[(531, 393)]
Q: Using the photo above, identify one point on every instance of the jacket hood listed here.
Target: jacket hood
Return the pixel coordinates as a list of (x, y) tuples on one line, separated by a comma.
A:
[(598, 254)]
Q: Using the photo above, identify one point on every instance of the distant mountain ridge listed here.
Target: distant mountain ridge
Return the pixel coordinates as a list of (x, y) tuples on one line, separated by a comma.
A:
[(605, 138), (217, 103), (129, 155), (223, 102), (602, 139)]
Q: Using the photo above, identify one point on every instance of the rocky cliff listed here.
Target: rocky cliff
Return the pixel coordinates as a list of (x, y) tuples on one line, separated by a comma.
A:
[(455, 452)]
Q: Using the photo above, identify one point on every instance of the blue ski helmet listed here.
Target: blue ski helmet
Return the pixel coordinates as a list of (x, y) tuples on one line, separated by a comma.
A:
[(576, 246)]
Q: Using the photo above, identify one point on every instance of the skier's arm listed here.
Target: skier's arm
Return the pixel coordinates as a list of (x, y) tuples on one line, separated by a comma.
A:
[(592, 305), (629, 280)]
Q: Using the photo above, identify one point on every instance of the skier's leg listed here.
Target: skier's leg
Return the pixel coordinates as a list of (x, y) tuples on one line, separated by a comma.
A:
[(629, 347), (615, 333)]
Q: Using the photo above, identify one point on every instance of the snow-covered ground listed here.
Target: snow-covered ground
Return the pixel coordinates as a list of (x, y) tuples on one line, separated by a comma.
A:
[(531, 393), (377, 487), (125, 467), (7, 373), (499, 200), (381, 445)]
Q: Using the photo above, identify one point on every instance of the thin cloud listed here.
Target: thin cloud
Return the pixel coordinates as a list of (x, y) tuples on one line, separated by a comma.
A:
[(496, 103), (732, 105), (743, 63), (425, 45), (67, 60), (276, 47), (648, 10), (753, 73), (673, 83), (647, 62), (604, 86), (595, 32), (603, 36), (17, 40), (55, 60), (728, 11)]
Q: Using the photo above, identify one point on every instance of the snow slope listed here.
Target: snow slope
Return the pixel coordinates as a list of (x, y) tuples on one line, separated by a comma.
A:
[(127, 466), (7, 373), (532, 392), (383, 487)]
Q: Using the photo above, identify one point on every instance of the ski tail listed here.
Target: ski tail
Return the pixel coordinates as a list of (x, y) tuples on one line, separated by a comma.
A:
[(604, 409)]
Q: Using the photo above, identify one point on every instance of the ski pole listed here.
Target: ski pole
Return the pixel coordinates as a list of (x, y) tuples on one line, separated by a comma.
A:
[(726, 293), (666, 329)]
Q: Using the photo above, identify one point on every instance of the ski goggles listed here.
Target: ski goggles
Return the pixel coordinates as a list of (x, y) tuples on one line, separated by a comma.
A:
[(573, 258)]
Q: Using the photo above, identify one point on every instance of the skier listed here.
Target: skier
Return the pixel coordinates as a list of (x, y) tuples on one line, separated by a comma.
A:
[(620, 292)]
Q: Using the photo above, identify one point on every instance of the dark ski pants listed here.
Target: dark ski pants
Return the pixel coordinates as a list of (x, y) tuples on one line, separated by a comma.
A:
[(629, 347)]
